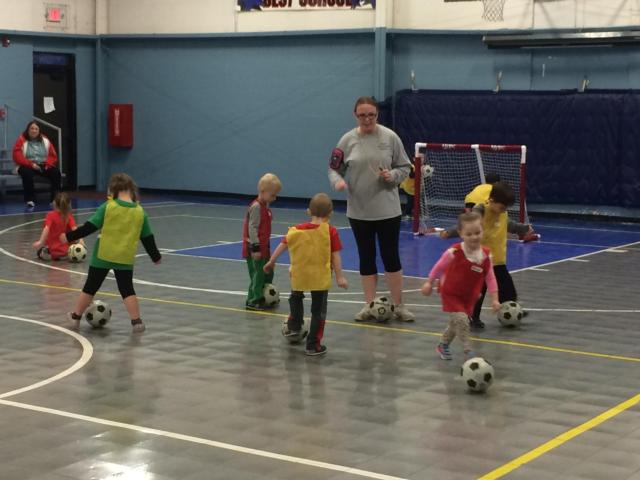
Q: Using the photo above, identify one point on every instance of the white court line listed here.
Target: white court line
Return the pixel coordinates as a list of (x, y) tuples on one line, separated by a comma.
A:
[(573, 258), (87, 353), (90, 209), (578, 260), (566, 244), (588, 229), (203, 441)]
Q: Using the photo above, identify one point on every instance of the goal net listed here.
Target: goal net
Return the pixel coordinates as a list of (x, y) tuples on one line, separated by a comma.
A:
[(446, 173)]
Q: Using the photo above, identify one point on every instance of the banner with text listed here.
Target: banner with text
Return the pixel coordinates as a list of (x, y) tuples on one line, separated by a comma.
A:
[(264, 5)]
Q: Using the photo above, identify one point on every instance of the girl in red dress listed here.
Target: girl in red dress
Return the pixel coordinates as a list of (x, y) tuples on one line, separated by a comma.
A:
[(462, 271), (57, 221)]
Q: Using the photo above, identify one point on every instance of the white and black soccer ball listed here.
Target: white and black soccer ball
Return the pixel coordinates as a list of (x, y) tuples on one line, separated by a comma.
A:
[(293, 339), (271, 295), (44, 254), (98, 314), (77, 253), (427, 171), (510, 314), (477, 374), (381, 309)]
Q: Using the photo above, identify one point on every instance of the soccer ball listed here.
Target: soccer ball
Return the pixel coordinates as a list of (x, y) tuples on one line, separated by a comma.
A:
[(427, 171), (510, 314), (477, 374), (304, 331), (381, 309), (44, 254), (271, 295), (77, 253), (98, 314)]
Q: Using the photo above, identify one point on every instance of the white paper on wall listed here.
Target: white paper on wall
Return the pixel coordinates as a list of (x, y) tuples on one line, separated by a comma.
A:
[(48, 104)]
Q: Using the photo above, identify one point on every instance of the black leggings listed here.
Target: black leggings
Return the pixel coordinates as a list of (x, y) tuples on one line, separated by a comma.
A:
[(388, 233), (124, 279), (506, 289), (27, 174)]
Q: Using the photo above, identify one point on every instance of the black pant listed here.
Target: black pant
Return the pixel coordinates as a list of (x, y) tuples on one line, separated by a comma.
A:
[(27, 174), (387, 232), (318, 315), (506, 289), (408, 204), (95, 277)]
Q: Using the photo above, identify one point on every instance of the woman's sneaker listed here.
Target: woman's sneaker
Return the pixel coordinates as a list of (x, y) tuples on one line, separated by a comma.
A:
[(443, 350), (137, 326), (72, 323), (363, 315), (401, 314)]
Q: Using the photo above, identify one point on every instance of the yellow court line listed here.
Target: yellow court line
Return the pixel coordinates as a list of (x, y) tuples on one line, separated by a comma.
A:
[(560, 439), (342, 322)]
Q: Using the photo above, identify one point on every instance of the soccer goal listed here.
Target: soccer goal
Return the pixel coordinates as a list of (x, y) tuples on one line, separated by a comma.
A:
[(445, 173)]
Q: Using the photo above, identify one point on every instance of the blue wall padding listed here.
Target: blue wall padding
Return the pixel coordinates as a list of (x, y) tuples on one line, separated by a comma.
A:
[(582, 148)]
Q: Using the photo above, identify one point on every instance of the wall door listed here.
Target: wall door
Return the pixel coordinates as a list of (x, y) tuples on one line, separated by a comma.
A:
[(54, 100)]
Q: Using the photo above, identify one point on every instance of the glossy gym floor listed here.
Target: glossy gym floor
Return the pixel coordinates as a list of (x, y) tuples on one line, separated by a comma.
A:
[(211, 391)]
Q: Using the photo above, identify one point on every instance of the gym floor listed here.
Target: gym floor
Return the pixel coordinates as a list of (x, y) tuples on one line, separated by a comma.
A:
[(212, 391)]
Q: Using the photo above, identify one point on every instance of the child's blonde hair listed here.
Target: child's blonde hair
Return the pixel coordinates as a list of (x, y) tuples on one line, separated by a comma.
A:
[(121, 182), (62, 203), (270, 182), (468, 217), (321, 205)]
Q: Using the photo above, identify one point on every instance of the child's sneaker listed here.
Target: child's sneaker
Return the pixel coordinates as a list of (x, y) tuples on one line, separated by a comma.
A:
[(469, 354), (402, 314), (443, 350), (72, 323), (363, 315), (317, 350), (476, 323), (255, 306), (529, 237), (296, 335)]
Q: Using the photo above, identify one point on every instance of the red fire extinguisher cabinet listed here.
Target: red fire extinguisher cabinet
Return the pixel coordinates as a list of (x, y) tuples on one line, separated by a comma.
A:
[(121, 125)]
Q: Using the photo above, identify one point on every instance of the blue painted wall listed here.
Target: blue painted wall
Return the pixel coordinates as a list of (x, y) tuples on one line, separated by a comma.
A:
[(463, 62), (16, 85), (16, 90), (214, 114)]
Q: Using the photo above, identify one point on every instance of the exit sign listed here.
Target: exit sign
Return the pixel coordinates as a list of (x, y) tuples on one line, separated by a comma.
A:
[(54, 14)]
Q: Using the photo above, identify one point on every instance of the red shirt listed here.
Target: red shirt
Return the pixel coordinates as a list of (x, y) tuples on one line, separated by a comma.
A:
[(264, 231), (57, 226), (336, 244), (462, 283)]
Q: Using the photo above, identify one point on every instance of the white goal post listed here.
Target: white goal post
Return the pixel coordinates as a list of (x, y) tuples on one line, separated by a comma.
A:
[(445, 173)]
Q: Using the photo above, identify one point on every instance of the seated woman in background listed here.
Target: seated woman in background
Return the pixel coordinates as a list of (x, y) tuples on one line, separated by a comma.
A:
[(33, 154)]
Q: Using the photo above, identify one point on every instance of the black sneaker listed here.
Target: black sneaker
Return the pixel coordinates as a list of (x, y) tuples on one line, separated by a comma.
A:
[(255, 306), (317, 350), (476, 323)]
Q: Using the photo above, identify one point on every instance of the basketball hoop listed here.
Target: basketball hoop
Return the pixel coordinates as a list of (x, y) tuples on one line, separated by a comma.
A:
[(493, 10)]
